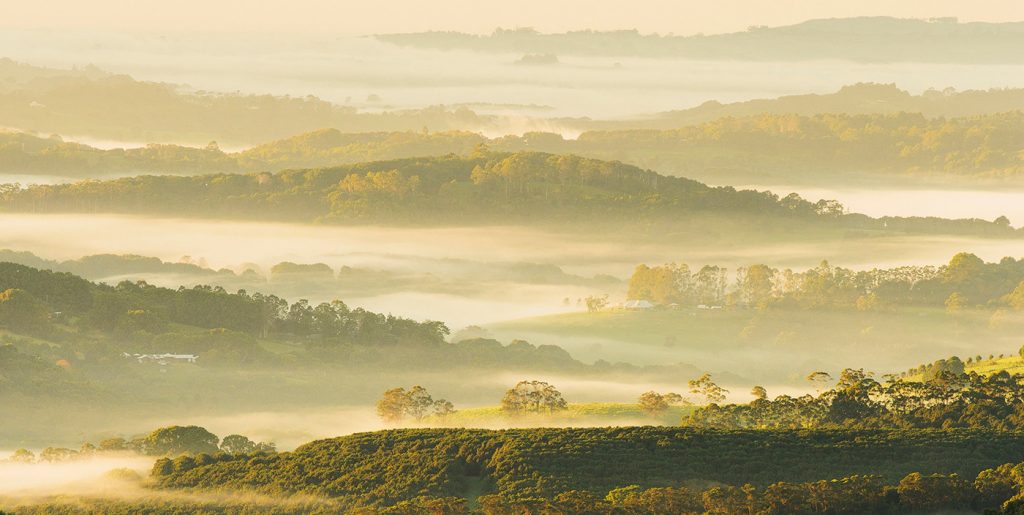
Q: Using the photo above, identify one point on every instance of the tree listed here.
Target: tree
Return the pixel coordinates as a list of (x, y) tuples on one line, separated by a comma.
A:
[(1016, 298), (596, 303), (707, 388), (237, 444), (653, 403), (955, 303), (397, 404), (23, 456), (20, 311), (756, 285), (533, 397), (176, 440), (113, 444), (819, 379), (930, 494), (759, 392)]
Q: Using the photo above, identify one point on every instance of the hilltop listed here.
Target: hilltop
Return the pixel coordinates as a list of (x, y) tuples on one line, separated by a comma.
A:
[(716, 143), (384, 468), (486, 188)]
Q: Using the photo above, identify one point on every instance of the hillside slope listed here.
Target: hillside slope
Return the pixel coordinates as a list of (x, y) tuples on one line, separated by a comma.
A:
[(384, 468)]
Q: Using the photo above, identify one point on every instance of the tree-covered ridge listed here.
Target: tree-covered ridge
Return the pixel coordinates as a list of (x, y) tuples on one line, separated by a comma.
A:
[(384, 468), (747, 147), (41, 302), (61, 335), (864, 39), (485, 188), (820, 146), (855, 99), (331, 147), (751, 142), (965, 282)]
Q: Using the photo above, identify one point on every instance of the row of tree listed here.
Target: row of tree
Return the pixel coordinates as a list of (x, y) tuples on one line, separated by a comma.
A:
[(947, 398), (965, 282), (165, 441)]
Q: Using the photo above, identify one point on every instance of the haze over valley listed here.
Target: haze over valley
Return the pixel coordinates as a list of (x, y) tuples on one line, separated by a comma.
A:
[(524, 261)]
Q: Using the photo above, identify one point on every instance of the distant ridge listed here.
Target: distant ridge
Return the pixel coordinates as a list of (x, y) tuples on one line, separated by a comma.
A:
[(861, 39)]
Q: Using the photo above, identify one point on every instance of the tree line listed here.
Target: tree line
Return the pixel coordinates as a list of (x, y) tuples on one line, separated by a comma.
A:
[(949, 398), (483, 188), (965, 282)]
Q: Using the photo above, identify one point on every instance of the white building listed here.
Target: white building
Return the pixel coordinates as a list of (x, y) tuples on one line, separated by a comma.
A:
[(161, 359), (637, 304)]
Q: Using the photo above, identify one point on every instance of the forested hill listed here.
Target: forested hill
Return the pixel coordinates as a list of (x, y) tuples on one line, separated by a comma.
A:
[(103, 105), (385, 468), (818, 149), (862, 39), (754, 148), (486, 188), (854, 99)]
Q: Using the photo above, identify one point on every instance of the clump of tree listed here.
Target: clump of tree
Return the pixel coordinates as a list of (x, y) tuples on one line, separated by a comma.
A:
[(654, 403), (532, 397), (946, 398), (398, 405), (239, 444), (964, 283), (165, 441), (705, 387), (596, 303)]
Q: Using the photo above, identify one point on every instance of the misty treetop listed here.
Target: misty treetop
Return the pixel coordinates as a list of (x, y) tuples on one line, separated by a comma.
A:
[(56, 305), (817, 147), (965, 282), (480, 188)]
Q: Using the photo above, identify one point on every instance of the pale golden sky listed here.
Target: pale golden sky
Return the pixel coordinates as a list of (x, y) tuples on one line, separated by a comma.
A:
[(375, 16)]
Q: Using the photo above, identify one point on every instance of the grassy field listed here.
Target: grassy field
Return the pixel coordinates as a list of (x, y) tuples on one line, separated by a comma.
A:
[(578, 415), (1013, 364)]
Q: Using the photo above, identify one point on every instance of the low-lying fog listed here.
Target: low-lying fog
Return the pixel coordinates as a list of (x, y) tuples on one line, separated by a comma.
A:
[(67, 477), (945, 203), (371, 75), (232, 244)]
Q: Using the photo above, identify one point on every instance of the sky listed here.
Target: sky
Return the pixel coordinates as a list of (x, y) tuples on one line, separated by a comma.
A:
[(480, 16)]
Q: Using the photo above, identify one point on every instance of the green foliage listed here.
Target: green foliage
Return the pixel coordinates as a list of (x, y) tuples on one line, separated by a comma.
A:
[(21, 311), (949, 398), (526, 187), (532, 397), (398, 404), (177, 440), (965, 281), (386, 468), (232, 321)]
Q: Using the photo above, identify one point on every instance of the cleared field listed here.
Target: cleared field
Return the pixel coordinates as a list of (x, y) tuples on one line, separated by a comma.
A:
[(579, 415)]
